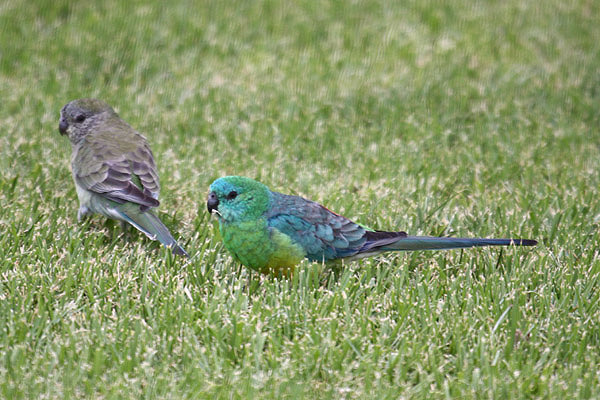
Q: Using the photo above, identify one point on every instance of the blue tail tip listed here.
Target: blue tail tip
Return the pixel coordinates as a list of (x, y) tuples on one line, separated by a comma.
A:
[(178, 250), (525, 242)]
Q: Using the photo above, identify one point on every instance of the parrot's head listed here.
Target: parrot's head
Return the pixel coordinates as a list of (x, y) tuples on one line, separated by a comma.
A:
[(79, 117), (237, 199)]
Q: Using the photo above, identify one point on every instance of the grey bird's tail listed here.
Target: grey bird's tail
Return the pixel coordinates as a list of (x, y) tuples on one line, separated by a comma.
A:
[(380, 241), (148, 223)]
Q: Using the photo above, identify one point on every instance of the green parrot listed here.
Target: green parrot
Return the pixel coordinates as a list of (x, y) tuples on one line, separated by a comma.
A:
[(113, 168), (272, 232)]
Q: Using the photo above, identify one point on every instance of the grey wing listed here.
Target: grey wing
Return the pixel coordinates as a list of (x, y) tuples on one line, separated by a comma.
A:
[(120, 171)]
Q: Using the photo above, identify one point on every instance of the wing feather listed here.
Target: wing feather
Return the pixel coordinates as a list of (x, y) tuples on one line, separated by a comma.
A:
[(324, 234), (118, 164)]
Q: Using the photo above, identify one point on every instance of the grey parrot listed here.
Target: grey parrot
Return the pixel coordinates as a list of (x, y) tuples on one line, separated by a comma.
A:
[(113, 168)]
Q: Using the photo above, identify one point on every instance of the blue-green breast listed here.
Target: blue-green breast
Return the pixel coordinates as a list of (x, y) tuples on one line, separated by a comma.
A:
[(261, 248)]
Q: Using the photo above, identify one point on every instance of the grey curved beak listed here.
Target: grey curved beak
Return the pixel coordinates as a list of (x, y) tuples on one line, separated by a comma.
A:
[(62, 126), (212, 203)]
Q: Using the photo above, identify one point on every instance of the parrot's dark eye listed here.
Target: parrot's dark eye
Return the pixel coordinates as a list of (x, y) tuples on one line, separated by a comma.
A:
[(232, 195), (80, 118)]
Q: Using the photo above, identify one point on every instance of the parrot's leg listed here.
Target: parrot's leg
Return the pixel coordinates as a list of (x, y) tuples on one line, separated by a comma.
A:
[(126, 230), (82, 213)]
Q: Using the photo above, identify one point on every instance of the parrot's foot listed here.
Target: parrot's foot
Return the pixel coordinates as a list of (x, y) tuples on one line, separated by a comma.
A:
[(126, 231), (82, 213)]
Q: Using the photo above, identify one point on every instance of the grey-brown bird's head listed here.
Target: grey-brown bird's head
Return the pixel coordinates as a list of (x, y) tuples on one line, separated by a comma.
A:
[(79, 117)]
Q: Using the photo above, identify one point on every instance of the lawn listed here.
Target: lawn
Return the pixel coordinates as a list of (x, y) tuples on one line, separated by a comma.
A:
[(453, 118)]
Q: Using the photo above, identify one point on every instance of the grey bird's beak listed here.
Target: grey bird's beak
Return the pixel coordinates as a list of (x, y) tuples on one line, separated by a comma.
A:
[(62, 126), (212, 203)]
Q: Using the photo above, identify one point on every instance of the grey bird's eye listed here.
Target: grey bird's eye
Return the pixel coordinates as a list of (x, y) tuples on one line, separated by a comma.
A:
[(231, 195), (80, 118)]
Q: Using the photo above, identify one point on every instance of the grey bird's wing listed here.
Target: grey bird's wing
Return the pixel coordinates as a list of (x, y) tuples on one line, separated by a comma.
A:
[(118, 166)]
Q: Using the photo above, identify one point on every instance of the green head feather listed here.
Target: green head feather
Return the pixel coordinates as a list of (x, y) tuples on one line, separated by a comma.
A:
[(240, 198)]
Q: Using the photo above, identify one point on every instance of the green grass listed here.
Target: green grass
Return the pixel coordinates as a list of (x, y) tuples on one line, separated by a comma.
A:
[(443, 118)]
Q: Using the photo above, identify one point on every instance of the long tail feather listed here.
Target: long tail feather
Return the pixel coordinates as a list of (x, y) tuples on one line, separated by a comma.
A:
[(444, 243), (148, 223)]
